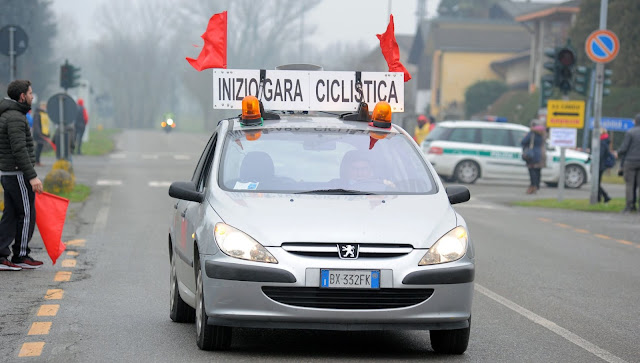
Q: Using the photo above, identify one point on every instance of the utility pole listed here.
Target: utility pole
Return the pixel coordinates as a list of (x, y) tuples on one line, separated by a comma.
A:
[(597, 114)]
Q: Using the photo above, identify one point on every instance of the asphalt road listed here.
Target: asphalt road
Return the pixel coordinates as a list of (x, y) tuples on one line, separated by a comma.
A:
[(551, 285)]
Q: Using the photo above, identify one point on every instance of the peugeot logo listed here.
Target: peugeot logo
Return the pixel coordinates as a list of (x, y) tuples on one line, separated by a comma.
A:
[(348, 251)]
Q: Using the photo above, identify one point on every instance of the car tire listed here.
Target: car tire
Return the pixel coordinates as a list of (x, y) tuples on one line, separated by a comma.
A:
[(179, 311), (574, 176), (453, 341), (209, 337), (467, 172)]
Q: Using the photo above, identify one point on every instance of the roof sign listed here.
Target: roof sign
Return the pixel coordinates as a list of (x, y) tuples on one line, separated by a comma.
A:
[(307, 90)]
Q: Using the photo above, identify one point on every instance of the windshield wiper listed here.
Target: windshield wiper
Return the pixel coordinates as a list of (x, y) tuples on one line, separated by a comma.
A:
[(335, 191)]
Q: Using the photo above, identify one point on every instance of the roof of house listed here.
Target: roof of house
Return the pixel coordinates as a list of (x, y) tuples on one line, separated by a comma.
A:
[(500, 66), (472, 35), (515, 9), (567, 7)]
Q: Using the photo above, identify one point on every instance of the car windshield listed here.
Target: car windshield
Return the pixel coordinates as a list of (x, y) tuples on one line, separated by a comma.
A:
[(336, 161)]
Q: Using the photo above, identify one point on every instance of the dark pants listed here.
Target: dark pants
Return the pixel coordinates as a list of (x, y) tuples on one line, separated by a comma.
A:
[(79, 133), (602, 194), (19, 216), (39, 147), (632, 181), (534, 176)]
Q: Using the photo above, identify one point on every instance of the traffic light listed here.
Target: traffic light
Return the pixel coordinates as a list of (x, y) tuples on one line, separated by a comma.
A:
[(69, 75), (583, 80), (546, 89), (606, 83), (566, 62), (552, 65)]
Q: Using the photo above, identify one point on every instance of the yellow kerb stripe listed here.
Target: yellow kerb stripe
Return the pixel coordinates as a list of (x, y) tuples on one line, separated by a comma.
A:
[(54, 294), (625, 242), (581, 230), (544, 220), (62, 276), (48, 310), (76, 242), (68, 263), (72, 253), (33, 349), (562, 225), (602, 236), (40, 328)]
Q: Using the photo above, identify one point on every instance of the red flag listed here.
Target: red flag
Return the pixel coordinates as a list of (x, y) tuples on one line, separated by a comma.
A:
[(214, 51), (390, 50), (51, 211)]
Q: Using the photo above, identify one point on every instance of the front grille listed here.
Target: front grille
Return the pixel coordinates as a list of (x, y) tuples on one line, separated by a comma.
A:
[(347, 299), (367, 250)]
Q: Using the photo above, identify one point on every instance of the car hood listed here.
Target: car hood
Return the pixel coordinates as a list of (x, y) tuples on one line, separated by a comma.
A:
[(579, 155), (272, 219)]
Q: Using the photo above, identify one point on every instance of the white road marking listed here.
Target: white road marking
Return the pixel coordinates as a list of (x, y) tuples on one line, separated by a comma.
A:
[(103, 213), (182, 157), (107, 182), (150, 156), (573, 338), (163, 184), (118, 156)]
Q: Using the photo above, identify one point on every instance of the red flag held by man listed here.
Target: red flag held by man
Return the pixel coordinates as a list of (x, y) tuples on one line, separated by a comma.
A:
[(51, 211), (214, 51), (391, 51)]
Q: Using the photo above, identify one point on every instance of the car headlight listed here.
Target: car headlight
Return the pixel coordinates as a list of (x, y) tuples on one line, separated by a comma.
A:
[(450, 247), (237, 244)]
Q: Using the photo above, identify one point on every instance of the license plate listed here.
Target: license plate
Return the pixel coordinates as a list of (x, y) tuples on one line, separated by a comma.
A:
[(352, 279)]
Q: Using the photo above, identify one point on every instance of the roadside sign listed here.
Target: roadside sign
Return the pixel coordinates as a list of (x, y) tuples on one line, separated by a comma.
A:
[(20, 40), (69, 106), (614, 123), (602, 46), (289, 90), (565, 114), (563, 137)]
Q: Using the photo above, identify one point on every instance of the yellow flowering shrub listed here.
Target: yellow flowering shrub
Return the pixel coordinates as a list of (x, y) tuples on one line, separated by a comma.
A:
[(58, 181)]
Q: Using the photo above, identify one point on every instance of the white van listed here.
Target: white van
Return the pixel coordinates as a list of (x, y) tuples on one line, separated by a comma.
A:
[(467, 150)]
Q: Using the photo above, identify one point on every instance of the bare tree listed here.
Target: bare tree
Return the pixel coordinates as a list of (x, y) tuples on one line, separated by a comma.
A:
[(260, 35), (135, 58)]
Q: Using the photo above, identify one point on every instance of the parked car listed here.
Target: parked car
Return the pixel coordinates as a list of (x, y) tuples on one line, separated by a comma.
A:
[(465, 151)]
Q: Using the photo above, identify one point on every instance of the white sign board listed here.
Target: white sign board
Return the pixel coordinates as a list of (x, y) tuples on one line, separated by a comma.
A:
[(307, 90), (563, 137)]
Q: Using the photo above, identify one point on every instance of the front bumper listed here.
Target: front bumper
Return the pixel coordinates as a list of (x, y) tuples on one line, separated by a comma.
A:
[(287, 295)]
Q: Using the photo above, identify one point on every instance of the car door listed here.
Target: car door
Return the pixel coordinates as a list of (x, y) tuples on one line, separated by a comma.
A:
[(189, 217), (498, 153)]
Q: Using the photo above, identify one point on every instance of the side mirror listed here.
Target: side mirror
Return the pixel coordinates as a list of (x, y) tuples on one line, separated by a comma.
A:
[(185, 191), (458, 194)]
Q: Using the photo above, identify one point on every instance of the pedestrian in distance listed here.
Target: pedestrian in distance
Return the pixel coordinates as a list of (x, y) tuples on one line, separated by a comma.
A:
[(422, 129), (82, 118), (534, 154), (40, 129), (630, 151), (607, 160), (17, 160)]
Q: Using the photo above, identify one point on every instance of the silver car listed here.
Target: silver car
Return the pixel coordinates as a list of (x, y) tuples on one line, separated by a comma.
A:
[(305, 222)]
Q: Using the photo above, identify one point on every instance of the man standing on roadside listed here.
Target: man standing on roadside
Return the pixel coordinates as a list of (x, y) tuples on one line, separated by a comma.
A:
[(630, 151), (17, 159)]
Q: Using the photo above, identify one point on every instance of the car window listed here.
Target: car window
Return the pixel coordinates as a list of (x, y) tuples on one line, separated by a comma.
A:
[(499, 137), (198, 170), (302, 160), (463, 134), (438, 133), (517, 136), (206, 169)]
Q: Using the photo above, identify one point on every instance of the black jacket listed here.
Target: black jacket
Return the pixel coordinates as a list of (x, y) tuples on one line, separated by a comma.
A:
[(16, 143), (630, 148)]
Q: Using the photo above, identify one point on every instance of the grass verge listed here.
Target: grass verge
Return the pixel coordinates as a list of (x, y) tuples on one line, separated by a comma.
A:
[(615, 205), (79, 193), (100, 143)]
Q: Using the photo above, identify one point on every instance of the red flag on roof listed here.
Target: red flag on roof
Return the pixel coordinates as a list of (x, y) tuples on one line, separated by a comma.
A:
[(214, 51), (390, 50), (51, 211)]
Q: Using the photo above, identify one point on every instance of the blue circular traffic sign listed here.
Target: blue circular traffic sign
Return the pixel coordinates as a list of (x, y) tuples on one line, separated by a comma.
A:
[(602, 46)]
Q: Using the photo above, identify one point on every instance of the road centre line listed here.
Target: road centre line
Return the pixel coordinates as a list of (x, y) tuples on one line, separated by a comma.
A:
[(581, 230), (568, 335), (103, 213), (31, 349), (602, 236)]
